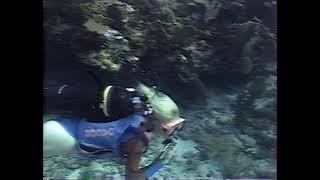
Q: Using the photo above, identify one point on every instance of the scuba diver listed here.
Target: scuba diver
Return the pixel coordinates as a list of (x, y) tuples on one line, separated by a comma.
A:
[(132, 116)]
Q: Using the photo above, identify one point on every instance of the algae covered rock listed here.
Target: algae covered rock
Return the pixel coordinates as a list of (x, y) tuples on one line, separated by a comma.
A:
[(214, 38), (187, 47)]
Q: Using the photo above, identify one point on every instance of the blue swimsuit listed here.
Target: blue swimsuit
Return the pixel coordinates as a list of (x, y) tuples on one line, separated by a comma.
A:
[(104, 137)]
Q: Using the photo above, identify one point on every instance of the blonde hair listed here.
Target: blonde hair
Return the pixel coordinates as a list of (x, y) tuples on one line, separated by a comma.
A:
[(164, 108)]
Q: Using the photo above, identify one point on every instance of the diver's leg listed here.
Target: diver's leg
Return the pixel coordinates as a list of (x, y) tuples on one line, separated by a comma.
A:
[(56, 140)]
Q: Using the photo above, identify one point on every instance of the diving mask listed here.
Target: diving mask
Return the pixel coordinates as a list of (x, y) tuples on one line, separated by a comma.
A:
[(173, 126)]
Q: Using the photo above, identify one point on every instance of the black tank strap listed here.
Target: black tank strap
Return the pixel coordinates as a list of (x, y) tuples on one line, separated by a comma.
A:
[(93, 151)]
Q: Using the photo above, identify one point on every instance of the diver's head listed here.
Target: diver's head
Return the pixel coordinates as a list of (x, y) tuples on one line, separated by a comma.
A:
[(165, 110)]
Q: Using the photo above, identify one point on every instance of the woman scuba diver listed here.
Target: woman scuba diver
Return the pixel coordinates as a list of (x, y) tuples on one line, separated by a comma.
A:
[(131, 116)]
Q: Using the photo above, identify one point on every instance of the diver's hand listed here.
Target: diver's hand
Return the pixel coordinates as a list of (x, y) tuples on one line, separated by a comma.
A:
[(135, 175), (134, 149)]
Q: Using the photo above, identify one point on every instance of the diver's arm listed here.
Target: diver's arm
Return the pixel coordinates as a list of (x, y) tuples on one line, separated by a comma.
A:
[(135, 149), (132, 167), (133, 172)]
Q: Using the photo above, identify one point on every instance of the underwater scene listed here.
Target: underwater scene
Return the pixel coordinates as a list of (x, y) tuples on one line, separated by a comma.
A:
[(160, 89)]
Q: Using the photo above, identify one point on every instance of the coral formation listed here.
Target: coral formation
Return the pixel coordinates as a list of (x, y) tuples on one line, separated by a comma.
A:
[(220, 52)]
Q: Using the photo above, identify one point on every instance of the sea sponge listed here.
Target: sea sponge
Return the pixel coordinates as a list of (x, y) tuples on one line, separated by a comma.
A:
[(104, 60)]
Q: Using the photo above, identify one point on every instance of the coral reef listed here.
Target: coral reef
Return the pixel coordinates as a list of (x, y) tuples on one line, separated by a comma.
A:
[(222, 53), (191, 38)]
